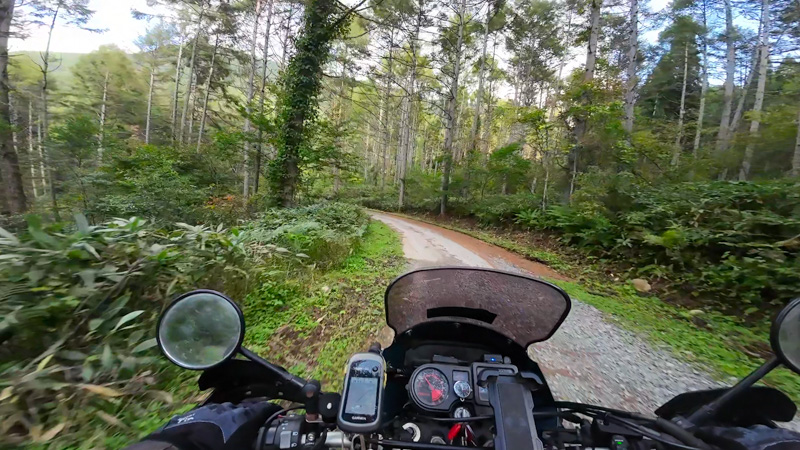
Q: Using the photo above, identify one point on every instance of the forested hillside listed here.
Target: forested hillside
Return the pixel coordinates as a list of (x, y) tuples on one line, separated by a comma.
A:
[(664, 139), (559, 100)]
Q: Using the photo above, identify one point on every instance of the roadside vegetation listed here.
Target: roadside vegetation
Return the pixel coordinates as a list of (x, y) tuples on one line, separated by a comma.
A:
[(78, 364)]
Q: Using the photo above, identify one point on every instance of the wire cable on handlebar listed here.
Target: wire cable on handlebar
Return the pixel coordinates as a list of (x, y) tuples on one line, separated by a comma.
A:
[(648, 433), (455, 419), (580, 407), (283, 411)]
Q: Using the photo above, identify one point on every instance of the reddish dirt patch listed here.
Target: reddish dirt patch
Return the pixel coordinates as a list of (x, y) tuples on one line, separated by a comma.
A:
[(489, 252)]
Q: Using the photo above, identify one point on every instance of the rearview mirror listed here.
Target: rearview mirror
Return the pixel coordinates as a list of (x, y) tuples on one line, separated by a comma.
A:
[(785, 335), (200, 330)]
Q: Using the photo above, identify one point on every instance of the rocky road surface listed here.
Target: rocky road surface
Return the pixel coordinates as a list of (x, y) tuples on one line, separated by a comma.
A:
[(589, 359)]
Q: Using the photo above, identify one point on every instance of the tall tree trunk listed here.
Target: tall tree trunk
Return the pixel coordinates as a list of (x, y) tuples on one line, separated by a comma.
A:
[(190, 88), (631, 80), (795, 172), (192, 111), (487, 128), (737, 115), (149, 106), (286, 34), (248, 105), (101, 137), (176, 93), (676, 151), (207, 94), (385, 110), (405, 140), (725, 130), (43, 172), (763, 62), (31, 157), (265, 60), (588, 77), (452, 107), (703, 89), (9, 161), (45, 122), (473, 133)]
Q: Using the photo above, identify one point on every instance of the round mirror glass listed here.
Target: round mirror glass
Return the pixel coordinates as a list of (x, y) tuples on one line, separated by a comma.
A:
[(786, 335), (200, 330)]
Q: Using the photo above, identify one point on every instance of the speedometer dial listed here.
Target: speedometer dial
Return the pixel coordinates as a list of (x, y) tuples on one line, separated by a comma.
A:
[(430, 387)]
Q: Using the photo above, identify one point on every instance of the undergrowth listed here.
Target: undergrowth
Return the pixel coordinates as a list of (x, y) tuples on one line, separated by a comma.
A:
[(312, 324), (79, 303)]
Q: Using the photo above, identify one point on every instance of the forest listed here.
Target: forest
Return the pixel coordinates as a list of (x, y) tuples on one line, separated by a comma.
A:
[(663, 140)]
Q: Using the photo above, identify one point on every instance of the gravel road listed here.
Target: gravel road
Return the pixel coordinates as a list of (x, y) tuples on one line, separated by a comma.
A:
[(589, 359)]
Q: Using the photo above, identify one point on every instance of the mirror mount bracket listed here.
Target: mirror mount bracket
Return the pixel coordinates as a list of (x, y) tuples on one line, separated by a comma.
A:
[(286, 377), (308, 391), (707, 412)]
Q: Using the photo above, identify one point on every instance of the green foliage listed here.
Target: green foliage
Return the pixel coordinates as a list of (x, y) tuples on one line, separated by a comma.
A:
[(326, 232), (78, 307), (164, 184), (79, 302), (316, 321), (735, 243)]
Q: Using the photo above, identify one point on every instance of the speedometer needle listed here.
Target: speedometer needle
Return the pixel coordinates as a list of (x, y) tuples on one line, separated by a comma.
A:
[(436, 394)]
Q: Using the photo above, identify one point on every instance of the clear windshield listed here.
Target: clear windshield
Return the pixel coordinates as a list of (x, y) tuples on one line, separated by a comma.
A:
[(521, 308)]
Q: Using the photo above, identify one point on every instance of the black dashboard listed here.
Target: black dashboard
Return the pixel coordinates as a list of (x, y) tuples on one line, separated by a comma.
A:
[(455, 388)]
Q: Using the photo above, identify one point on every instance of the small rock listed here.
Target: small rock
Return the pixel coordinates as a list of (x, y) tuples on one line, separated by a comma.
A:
[(696, 312), (641, 285)]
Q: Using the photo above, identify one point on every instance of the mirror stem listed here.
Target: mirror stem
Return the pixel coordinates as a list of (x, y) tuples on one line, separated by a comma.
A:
[(707, 412), (285, 376)]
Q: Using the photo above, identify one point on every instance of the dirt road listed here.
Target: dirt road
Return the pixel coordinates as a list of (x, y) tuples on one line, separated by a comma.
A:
[(590, 359)]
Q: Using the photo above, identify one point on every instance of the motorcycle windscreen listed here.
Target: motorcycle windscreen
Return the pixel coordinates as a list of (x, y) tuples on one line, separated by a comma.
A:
[(524, 309)]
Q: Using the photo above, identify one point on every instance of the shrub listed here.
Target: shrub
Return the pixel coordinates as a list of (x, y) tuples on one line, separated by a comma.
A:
[(325, 232), (78, 307), (735, 241)]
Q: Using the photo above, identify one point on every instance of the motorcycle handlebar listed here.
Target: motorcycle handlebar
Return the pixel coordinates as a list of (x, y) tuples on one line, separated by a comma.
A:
[(340, 440)]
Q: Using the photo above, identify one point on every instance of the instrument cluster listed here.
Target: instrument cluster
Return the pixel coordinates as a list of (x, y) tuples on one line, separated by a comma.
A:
[(444, 387)]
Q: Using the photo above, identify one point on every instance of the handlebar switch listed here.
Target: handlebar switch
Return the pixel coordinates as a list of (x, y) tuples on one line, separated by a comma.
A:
[(284, 434)]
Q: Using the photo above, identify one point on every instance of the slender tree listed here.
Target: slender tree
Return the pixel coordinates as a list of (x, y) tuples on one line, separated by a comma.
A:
[(795, 171), (187, 96), (676, 152), (48, 12), (725, 129), (451, 116), (631, 79), (763, 62), (588, 77), (704, 86), (263, 96), (250, 95), (207, 93)]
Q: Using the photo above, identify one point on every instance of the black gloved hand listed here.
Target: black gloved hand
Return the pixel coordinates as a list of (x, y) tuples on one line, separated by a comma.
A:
[(758, 437), (214, 426)]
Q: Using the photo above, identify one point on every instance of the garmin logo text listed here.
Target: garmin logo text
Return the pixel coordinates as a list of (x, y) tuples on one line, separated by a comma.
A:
[(359, 418)]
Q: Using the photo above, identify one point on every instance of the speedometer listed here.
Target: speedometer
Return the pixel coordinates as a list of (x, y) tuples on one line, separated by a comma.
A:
[(430, 387)]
